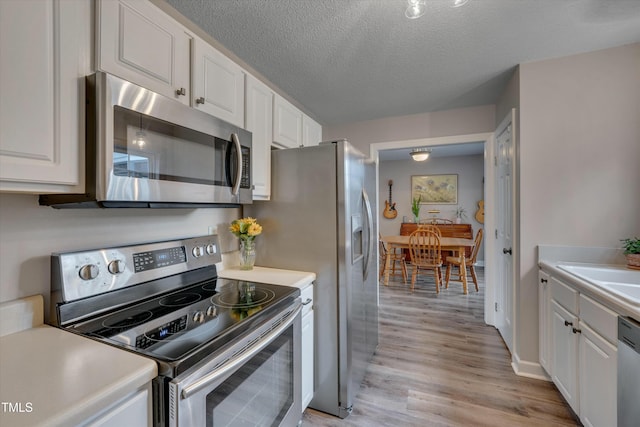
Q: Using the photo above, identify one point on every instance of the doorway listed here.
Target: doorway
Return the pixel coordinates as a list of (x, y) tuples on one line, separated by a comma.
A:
[(489, 198)]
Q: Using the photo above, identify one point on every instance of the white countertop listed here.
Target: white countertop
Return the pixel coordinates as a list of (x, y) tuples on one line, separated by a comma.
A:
[(61, 379), (609, 299), (273, 276)]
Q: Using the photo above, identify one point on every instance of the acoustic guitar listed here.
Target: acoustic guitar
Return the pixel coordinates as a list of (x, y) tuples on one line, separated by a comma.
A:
[(480, 212), (390, 211)]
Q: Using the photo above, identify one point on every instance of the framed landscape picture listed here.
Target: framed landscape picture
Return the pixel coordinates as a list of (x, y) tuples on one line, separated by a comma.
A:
[(435, 189)]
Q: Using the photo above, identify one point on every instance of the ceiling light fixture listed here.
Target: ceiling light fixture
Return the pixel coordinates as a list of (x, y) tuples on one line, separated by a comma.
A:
[(458, 3), (415, 9), (420, 154)]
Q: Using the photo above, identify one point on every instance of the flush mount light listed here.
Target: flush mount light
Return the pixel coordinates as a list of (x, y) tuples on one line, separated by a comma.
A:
[(420, 154), (415, 9)]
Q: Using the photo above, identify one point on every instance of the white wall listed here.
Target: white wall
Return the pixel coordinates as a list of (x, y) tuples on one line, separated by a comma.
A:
[(462, 121), (470, 171), (29, 233), (579, 162)]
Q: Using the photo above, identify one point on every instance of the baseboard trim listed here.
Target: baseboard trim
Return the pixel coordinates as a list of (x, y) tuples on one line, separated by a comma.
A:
[(528, 369)]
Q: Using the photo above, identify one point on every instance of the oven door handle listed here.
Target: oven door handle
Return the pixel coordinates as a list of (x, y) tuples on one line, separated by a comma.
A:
[(235, 362)]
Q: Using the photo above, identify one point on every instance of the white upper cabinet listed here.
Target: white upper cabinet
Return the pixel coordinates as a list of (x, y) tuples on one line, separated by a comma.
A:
[(291, 127), (46, 48), (311, 132), (259, 121), (218, 84), (140, 43), (287, 124)]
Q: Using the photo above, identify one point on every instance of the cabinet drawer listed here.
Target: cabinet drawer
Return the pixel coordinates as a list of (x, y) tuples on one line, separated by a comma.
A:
[(306, 295), (601, 319), (564, 295)]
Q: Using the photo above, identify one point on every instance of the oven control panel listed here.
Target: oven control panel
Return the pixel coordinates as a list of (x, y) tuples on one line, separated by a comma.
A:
[(82, 274)]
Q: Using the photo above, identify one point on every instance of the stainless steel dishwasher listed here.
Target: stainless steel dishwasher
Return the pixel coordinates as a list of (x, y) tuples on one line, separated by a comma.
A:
[(628, 372)]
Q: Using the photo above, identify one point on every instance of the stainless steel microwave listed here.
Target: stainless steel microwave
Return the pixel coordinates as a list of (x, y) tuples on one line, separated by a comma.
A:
[(145, 150)]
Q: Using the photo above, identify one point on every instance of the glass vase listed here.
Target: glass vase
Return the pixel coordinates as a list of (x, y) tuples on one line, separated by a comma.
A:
[(247, 254)]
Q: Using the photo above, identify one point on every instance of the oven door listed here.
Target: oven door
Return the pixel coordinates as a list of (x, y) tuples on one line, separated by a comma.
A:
[(257, 382)]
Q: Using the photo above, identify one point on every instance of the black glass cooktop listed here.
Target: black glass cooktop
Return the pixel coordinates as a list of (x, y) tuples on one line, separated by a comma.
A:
[(172, 325)]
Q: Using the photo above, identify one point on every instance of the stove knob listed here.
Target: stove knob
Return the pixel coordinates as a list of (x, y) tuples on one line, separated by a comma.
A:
[(212, 311), (116, 266), (197, 251), (198, 317), (211, 249), (89, 272)]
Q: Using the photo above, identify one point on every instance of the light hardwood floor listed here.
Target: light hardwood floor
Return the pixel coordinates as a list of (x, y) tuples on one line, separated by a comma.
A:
[(438, 364)]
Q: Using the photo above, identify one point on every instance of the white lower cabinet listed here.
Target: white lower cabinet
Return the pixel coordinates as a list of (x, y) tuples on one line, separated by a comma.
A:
[(307, 346), (582, 353), (598, 379), (46, 52), (133, 410), (544, 303)]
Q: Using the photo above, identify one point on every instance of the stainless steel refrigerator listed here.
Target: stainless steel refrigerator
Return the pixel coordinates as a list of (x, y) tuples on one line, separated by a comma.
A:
[(322, 217)]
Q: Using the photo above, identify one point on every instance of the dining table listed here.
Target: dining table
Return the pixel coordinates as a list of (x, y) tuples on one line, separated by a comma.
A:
[(455, 244)]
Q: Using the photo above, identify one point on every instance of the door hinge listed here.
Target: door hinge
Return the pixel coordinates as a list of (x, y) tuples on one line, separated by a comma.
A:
[(495, 160), (496, 233), (496, 306)]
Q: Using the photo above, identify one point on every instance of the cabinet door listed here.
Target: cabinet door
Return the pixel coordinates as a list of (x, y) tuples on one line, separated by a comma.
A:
[(140, 43), (307, 359), (564, 354), (311, 132), (544, 320), (133, 410), (287, 123), (259, 121), (45, 55), (218, 84), (598, 379)]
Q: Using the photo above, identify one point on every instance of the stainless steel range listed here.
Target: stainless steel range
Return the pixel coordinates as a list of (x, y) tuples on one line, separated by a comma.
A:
[(228, 351)]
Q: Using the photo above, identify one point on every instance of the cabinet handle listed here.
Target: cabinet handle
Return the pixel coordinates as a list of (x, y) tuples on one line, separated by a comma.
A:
[(181, 92), (308, 301), (543, 280), (200, 100), (567, 323), (576, 331), (507, 251)]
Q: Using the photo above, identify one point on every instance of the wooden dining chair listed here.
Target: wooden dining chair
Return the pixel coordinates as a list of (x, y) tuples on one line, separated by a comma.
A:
[(396, 257), (469, 262), (424, 247)]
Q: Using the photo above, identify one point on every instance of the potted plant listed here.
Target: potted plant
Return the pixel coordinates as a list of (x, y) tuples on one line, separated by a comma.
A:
[(461, 214), (632, 252), (415, 208)]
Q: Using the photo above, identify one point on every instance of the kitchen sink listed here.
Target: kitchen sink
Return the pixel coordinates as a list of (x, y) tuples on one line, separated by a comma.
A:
[(599, 273), (620, 281), (628, 292)]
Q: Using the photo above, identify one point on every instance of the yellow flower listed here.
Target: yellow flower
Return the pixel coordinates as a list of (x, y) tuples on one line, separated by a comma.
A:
[(254, 229), (245, 228)]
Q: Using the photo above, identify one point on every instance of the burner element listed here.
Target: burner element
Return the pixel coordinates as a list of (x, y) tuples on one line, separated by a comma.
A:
[(131, 319), (245, 296), (179, 300)]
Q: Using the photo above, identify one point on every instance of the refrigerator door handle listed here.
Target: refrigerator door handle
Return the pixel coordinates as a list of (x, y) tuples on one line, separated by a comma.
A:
[(367, 205)]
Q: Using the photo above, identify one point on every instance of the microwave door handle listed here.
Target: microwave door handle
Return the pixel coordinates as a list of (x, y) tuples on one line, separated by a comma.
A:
[(236, 184), (234, 363)]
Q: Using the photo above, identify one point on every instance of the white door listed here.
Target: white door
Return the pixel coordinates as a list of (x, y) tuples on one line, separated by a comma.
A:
[(504, 230)]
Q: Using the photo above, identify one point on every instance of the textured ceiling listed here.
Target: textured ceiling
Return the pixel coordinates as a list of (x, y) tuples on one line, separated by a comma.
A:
[(353, 60)]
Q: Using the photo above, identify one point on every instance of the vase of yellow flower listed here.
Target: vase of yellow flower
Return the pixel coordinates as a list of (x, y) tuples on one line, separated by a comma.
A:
[(246, 229)]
